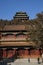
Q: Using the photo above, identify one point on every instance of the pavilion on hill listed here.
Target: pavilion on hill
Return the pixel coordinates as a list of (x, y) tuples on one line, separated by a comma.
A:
[(21, 16)]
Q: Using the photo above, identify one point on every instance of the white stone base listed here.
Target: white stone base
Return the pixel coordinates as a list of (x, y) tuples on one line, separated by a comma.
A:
[(35, 60)]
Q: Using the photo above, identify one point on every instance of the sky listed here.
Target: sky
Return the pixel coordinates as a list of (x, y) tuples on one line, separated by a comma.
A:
[(8, 8)]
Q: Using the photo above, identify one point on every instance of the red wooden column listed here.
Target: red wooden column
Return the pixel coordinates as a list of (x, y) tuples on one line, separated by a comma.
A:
[(0, 36), (26, 52), (34, 53), (10, 53), (4, 53), (1, 54), (20, 52)]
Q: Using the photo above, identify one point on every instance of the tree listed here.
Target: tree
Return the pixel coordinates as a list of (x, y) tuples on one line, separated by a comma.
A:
[(40, 21)]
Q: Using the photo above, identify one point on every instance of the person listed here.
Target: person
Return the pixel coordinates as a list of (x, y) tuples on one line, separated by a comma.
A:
[(38, 60), (28, 59), (42, 57)]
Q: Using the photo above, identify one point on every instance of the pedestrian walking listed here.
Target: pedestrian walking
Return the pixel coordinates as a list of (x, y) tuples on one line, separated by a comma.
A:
[(29, 60), (38, 60), (42, 57)]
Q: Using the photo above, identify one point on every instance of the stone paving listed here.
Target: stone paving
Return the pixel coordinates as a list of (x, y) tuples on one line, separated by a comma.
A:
[(25, 62)]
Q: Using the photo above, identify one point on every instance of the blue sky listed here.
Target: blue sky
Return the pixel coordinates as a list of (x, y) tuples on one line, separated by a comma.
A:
[(8, 8)]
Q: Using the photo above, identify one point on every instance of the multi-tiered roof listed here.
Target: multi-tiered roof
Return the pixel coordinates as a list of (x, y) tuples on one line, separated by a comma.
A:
[(21, 16), (21, 26)]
